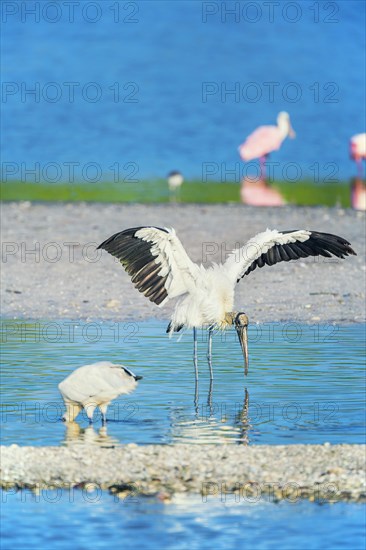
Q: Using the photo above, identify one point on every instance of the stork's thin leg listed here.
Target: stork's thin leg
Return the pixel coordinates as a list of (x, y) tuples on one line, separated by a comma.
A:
[(103, 409), (196, 396), (209, 397), (195, 362), (209, 352), (72, 410), (195, 359), (89, 409)]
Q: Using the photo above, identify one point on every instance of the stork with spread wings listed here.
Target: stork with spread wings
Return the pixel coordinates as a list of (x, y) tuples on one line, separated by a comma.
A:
[(161, 269)]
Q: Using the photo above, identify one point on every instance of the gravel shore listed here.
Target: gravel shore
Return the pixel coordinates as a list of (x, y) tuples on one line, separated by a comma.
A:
[(317, 472), (50, 268)]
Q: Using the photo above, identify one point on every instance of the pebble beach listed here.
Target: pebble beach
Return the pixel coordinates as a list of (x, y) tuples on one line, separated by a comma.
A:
[(317, 472)]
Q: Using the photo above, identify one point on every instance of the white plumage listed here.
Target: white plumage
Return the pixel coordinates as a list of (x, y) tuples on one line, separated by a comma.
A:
[(241, 259), (161, 269), (175, 180), (178, 270), (95, 385)]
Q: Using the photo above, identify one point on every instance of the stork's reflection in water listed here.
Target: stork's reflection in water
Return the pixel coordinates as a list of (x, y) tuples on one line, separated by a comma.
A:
[(213, 422)]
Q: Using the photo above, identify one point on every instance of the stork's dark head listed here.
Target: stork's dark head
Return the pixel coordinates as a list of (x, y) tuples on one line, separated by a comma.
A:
[(241, 322)]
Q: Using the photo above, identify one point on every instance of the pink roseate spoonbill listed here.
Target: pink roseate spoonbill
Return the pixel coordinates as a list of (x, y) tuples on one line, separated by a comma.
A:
[(161, 269), (266, 139), (258, 193), (357, 150)]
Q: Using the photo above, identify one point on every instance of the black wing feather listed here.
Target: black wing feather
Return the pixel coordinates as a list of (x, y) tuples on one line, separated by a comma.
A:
[(318, 244), (136, 257), (290, 253), (284, 256), (269, 258), (277, 254)]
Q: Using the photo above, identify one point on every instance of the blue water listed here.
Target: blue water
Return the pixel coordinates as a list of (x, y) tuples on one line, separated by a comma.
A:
[(305, 384), (84, 520), (161, 75)]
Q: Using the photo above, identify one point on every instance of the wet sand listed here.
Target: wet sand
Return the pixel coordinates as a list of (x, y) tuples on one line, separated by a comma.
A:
[(50, 268)]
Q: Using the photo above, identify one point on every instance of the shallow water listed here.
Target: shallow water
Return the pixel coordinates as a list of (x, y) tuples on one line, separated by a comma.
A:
[(305, 384), (84, 520)]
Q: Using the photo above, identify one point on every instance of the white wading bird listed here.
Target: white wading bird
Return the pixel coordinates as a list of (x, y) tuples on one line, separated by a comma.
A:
[(93, 386), (175, 180), (161, 269)]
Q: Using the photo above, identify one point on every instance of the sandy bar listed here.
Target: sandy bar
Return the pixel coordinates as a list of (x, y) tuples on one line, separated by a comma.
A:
[(317, 472), (50, 269)]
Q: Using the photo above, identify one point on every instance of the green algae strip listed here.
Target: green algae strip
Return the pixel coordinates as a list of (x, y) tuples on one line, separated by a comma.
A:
[(304, 193)]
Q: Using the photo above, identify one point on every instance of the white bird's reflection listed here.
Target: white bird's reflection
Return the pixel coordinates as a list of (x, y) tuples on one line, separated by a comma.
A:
[(212, 422), (76, 435)]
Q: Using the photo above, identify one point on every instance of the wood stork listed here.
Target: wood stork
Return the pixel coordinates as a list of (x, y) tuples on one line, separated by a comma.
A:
[(266, 139), (93, 386), (161, 269)]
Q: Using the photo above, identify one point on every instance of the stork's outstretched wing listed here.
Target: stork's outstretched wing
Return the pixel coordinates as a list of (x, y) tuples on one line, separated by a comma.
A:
[(156, 260), (272, 246)]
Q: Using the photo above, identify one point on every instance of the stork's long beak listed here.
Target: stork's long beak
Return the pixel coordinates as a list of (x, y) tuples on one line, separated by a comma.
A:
[(243, 339)]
